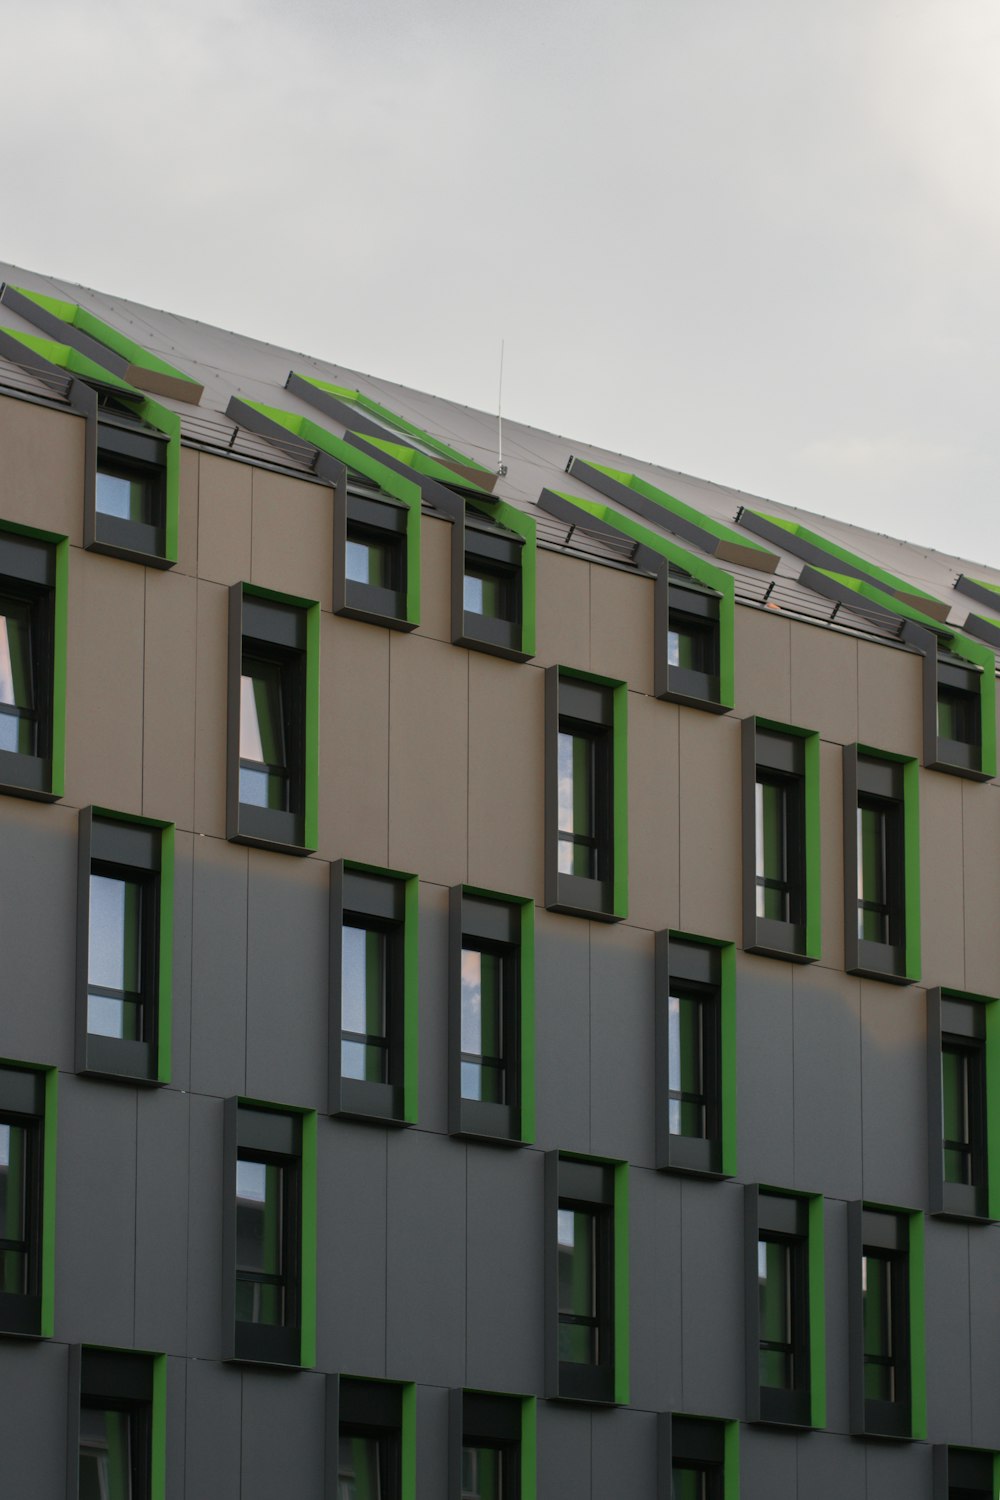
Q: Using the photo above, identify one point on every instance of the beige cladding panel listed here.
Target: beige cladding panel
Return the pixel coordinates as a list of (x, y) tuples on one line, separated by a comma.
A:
[(710, 841), (942, 878), (831, 805), (169, 697), (104, 688), (292, 537), (506, 776), (187, 524), (41, 473), (763, 665), (435, 578), (981, 855), (225, 507), (890, 687), (621, 627), (211, 694), (428, 758), (654, 812), (824, 682), (563, 611), (354, 741)]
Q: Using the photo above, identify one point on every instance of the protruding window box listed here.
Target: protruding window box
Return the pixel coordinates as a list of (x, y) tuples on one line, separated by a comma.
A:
[(33, 574), (490, 587), (490, 1446), (963, 1047), (781, 870), (116, 1441), (128, 518), (27, 1199), (785, 1309), (881, 865), (953, 699), (695, 1056), (688, 616), (885, 1287), (371, 1439), (371, 543)]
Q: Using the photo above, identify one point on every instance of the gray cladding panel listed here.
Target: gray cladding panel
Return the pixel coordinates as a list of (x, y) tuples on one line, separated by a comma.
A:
[(96, 1195), (161, 1262), (949, 1390), (768, 1466), (564, 1452), (204, 1228), (654, 1202), (562, 1032), (425, 1281), (835, 1270), (829, 1468), (284, 1435), (621, 1044), (432, 1442), (827, 1082), (623, 1454), (984, 1287), (177, 1374), (764, 1062), (504, 1266), (712, 1298), (212, 1430), (897, 1469), (219, 966), (34, 1380), (287, 979), (894, 1093), (351, 1235)]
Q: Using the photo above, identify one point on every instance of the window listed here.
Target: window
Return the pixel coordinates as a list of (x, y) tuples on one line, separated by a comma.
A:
[(965, 1474), (32, 664), (784, 1309), (268, 1257), (586, 808), (27, 1103), (882, 1357), (882, 866), (375, 1437), (124, 947), (695, 1050), (781, 915), (487, 1452), (696, 1457), (694, 646), (273, 721), (959, 719), (373, 994), (119, 1435), (375, 555), (586, 1271), (960, 1046), (492, 1031), (130, 486), (493, 581), (959, 705)]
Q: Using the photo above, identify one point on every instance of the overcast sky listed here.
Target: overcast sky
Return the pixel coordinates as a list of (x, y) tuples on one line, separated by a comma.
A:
[(756, 240)]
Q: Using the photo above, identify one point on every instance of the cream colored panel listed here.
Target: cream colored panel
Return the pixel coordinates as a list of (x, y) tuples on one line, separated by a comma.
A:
[(981, 847), (168, 731), (941, 895), (563, 611), (654, 812), (187, 524), (292, 538), (824, 683), (211, 689), (889, 699), (428, 758), (506, 776), (831, 805), (354, 741), (621, 627), (710, 845), (104, 683), (435, 578), (224, 515), (763, 665), (41, 473)]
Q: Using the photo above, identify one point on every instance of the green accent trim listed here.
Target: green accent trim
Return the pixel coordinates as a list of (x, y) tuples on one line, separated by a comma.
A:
[(408, 1441), (621, 1287), (421, 463), (165, 986), (118, 343), (996, 1473), (307, 1350), (728, 1070), (367, 403), (731, 1461), (524, 526), (679, 508), (817, 1312), (527, 973), (698, 567), (411, 994), (842, 554), (50, 1129), (918, 1342), (158, 1476), (529, 1448), (74, 363), (406, 491), (981, 583)]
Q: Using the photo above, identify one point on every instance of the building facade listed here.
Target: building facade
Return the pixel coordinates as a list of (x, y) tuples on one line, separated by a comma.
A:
[(501, 973)]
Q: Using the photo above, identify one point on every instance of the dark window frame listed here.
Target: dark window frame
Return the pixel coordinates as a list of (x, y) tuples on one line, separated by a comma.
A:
[(135, 1384), (704, 971), (482, 1419), (33, 570), (887, 785), (972, 1023), (379, 1409), (364, 512), (684, 600), (785, 757), (489, 544), (24, 1104), (594, 1187), (128, 447), (794, 1221), (887, 1234), (708, 1445), (951, 670), (963, 1473)]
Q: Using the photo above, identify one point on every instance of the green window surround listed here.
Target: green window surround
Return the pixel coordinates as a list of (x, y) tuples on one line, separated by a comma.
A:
[(963, 1104), (782, 912), (28, 1126), (693, 615), (493, 580), (34, 593), (492, 1445), (697, 1458), (881, 864), (695, 1054), (117, 1438), (372, 1429), (785, 1307), (888, 1386)]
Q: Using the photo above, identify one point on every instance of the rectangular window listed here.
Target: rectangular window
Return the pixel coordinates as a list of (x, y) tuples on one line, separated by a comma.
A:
[(269, 1248), (693, 641), (491, 1006), (130, 489), (781, 914), (698, 1457), (959, 706), (586, 1279), (586, 807), (118, 1445), (372, 1457), (124, 947), (784, 1308), (960, 1047), (375, 554), (373, 980), (273, 721), (490, 582), (959, 715), (882, 1357), (965, 1474), (27, 1103), (881, 866), (486, 1449), (32, 658), (695, 1050)]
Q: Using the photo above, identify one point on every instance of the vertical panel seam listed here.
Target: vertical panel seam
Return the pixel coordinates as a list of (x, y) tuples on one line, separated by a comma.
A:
[(135, 1224)]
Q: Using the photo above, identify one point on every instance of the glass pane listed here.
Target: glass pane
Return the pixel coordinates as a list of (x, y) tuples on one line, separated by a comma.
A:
[(13, 1206), (363, 976), (686, 1054), (482, 1026), (15, 655), (487, 594), (482, 1473), (262, 736), (259, 1240), (876, 1283), (958, 715), (955, 1094), (372, 559), (359, 1470), (688, 1484), (127, 496), (109, 1016), (576, 784), (775, 1292), (263, 789), (770, 850), (691, 644), (360, 1060), (115, 961), (577, 1240), (105, 1455)]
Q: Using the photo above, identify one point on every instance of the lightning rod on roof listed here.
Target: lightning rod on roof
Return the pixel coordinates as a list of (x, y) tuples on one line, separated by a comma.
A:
[(501, 466)]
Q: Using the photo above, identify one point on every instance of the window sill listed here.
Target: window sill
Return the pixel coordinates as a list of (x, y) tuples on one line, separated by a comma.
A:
[(786, 940), (884, 1419), (591, 1384), (132, 541), (20, 1316), (494, 636), (578, 896), (693, 689), (493, 1124), (374, 606), (376, 1103), (785, 1408), (879, 961), (257, 1344), (269, 828), (26, 776), (960, 1202), (693, 1155), (956, 758)]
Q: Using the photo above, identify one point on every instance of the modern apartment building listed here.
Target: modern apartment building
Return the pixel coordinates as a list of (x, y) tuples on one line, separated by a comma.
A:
[(501, 973)]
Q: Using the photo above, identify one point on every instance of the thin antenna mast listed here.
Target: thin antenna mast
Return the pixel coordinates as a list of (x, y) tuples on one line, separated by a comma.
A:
[(501, 466)]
